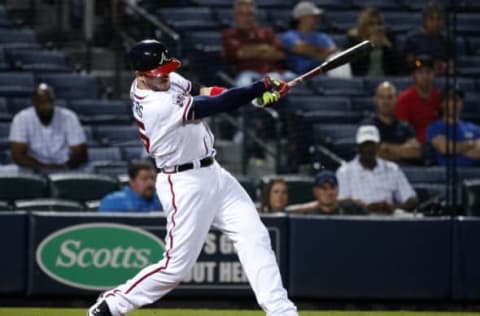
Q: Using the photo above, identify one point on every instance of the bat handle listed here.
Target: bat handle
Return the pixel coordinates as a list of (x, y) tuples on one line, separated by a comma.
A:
[(294, 82)]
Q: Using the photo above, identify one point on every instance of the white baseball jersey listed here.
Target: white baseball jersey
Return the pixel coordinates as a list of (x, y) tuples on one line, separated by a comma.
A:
[(161, 119)]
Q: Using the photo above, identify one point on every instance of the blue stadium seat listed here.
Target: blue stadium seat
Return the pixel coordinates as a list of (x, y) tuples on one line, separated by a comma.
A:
[(316, 103), (334, 4), (469, 173), (402, 22), (41, 60), (425, 174), (467, 84), (101, 156), (8, 36), (381, 4), (4, 64), (363, 104), (340, 40), (468, 65), (341, 21), (330, 133), (274, 4), (4, 129), (328, 117), (133, 152), (71, 86), (186, 19), (303, 89), (121, 135), (213, 3), (97, 111), (203, 40), (474, 45), (91, 141), (340, 86), (468, 24), (4, 113), (16, 84)]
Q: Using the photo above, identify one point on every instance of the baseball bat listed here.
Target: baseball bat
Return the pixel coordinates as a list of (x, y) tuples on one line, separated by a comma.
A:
[(339, 60)]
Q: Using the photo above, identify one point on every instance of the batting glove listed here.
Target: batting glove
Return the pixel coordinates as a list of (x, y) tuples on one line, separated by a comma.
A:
[(267, 99), (276, 85)]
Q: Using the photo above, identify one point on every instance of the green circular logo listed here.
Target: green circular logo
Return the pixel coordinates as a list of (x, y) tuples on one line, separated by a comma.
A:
[(97, 256)]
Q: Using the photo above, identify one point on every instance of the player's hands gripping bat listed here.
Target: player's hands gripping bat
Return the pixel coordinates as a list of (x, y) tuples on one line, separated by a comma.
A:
[(275, 90), (344, 57)]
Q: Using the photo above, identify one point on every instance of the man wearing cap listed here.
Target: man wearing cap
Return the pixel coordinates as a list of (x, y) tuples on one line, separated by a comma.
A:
[(377, 184), (462, 139), (326, 195), (419, 105), (398, 141), (306, 47)]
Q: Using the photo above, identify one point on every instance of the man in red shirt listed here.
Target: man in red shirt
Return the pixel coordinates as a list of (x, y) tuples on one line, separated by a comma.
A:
[(419, 105), (249, 50)]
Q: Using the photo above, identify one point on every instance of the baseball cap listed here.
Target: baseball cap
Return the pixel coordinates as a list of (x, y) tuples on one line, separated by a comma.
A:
[(422, 61), (305, 8), (325, 176), (367, 133)]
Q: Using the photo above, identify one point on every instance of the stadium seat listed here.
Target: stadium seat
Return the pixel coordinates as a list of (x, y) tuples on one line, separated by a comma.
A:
[(49, 204), (340, 86), (334, 4), (340, 40), (97, 111), (5, 115), (122, 135), (8, 36), (41, 60), (213, 3), (225, 16), (468, 173), (466, 84), (381, 4), (4, 64), (363, 104), (105, 156), (401, 83), (402, 22), (4, 206), (425, 174), (468, 24), (329, 133), (468, 65), (474, 45), (15, 105), (133, 152), (4, 134), (316, 103), (112, 170), (471, 197), (328, 117), (17, 186), (187, 19), (202, 39), (300, 188), (341, 21), (71, 86), (81, 187), (16, 84)]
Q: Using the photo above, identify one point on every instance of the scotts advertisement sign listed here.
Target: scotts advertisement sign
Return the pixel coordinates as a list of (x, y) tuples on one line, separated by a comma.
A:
[(97, 256)]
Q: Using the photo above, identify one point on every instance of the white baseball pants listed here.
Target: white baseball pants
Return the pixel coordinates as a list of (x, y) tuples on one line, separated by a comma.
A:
[(194, 200)]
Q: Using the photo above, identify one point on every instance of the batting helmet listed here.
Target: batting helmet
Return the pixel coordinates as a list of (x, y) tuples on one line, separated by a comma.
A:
[(151, 58)]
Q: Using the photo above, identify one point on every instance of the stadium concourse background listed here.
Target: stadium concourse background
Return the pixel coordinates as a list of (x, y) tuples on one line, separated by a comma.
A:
[(79, 48)]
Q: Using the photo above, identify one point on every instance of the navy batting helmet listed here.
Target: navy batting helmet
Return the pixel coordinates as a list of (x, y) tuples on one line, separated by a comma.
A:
[(151, 57)]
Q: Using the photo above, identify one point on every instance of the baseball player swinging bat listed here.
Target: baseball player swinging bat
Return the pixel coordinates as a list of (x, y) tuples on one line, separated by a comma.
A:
[(343, 58)]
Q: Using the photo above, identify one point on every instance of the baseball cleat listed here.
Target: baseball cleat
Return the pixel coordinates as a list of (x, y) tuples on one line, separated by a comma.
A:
[(99, 309)]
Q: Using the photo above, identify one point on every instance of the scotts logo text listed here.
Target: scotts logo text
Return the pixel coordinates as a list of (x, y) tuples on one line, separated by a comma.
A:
[(97, 256)]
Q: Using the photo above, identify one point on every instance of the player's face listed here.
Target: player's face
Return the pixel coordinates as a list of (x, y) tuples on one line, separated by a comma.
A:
[(278, 196), (326, 193), (158, 83), (385, 100), (144, 183)]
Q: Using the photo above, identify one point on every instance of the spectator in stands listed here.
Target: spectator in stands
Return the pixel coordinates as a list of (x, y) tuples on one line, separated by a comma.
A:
[(252, 51), (327, 203), (419, 105), (398, 142), (47, 138), (139, 195), (452, 135), (385, 58), (275, 196), (305, 46), (372, 182), (429, 39)]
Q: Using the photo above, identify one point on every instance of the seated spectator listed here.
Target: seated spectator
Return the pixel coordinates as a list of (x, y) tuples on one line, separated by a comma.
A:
[(419, 105), (139, 195), (45, 137), (275, 196), (305, 46), (327, 203), (398, 142), (452, 135), (252, 51), (372, 182), (385, 58), (429, 39)]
